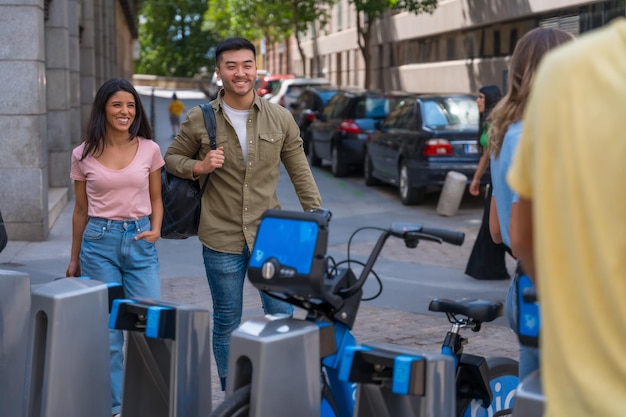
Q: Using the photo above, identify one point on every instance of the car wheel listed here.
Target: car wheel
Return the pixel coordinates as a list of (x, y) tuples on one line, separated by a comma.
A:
[(336, 167), (368, 170), (314, 160), (409, 194)]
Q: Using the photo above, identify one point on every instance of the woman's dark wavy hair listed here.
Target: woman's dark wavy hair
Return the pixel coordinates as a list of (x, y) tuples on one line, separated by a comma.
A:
[(492, 95), (96, 126)]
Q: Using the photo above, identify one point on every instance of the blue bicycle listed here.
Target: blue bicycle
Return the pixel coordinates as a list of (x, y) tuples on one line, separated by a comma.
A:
[(289, 261)]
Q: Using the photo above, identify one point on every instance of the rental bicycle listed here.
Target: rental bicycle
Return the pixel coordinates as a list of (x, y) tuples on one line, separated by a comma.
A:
[(289, 261)]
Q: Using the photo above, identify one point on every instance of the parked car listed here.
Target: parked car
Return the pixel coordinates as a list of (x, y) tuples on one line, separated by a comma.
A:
[(420, 141), (214, 87), (339, 132), (266, 85), (290, 89), (309, 105)]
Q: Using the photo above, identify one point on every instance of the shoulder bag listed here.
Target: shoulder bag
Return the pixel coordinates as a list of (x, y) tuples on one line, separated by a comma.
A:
[(182, 197)]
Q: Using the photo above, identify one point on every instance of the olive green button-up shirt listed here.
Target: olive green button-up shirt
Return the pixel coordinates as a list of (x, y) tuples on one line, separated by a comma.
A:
[(240, 192)]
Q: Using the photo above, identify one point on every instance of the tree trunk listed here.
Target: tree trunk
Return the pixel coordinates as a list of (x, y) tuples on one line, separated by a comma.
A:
[(364, 35)]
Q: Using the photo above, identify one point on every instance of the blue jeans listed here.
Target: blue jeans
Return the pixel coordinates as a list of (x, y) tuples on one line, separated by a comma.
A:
[(226, 273), (110, 254), (528, 356)]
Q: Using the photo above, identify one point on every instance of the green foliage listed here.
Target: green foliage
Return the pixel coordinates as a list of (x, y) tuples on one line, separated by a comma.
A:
[(256, 19), (172, 40), (251, 19)]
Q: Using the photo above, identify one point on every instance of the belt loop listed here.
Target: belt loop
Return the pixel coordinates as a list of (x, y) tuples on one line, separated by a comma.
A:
[(108, 226)]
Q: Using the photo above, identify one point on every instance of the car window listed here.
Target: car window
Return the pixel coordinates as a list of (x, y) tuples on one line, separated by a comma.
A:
[(335, 106), (450, 113), (294, 90), (326, 95), (401, 118), (376, 107), (273, 85)]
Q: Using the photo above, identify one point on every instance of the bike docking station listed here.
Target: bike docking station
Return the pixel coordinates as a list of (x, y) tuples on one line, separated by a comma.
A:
[(260, 349), (54, 350), (398, 381), (14, 316), (167, 370)]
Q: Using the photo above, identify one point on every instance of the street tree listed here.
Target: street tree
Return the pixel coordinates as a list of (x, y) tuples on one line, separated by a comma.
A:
[(274, 21), (369, 12), (251, 19), (172, 41)]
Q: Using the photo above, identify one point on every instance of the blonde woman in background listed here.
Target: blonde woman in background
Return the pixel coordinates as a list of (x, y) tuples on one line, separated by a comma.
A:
[(504, 134)]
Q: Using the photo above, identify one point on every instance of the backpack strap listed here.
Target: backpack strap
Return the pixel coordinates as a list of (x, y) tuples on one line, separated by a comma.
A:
[(210, 123), (211, 127)]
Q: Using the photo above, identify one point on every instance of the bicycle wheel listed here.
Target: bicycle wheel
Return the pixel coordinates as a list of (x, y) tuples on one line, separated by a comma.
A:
[(503, 380), (236, 405)]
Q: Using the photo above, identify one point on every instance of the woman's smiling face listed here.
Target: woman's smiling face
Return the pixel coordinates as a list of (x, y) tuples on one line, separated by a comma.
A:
[(120, 111)]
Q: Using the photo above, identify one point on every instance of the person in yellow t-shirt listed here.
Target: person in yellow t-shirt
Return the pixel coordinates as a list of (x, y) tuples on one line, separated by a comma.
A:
[(570, 227), (175, 109)]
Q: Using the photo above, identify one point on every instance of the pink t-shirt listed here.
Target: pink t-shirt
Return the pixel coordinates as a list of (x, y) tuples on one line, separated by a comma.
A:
[(118, 194)]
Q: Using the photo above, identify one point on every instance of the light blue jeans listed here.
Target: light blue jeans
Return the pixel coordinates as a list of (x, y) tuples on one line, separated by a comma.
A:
[(226, 273), (110, 254), (528, 356)]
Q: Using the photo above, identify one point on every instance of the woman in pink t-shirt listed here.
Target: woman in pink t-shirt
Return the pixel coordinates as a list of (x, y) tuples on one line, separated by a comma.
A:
[(118, 210)]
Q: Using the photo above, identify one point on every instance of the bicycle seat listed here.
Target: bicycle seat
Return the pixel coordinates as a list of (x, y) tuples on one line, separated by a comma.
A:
[(479, 310)]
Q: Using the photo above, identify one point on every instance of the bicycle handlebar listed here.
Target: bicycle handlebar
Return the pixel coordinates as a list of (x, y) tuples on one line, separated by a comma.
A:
[(427, 233), (282, 267)]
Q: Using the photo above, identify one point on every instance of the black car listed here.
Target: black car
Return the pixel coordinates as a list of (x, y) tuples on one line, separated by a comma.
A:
[(339, 132), (420, 141), (309, 105)]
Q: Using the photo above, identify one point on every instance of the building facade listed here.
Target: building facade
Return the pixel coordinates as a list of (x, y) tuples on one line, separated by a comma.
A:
[(463, 45), (54, 56)]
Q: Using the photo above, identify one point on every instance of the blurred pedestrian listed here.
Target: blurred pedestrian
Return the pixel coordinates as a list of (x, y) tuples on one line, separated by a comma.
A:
[(254, 137), (175, 109), (504, 134), (569, 229), (487, 259), (118, 210)]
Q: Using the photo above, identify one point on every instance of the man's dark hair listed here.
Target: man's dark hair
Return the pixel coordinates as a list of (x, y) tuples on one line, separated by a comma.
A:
[(233, 44)]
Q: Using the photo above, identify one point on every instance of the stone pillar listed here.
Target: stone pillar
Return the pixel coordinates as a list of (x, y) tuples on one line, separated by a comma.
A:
[(59, 91), (87, 63), (23, 124), (99, 29), (74, 13)]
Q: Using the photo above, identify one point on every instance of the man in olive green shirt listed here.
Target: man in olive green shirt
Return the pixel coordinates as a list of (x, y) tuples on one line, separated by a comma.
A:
[(253, 137)]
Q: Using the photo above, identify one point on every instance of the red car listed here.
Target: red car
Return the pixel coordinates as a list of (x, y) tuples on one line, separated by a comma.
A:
[(267, 84)]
